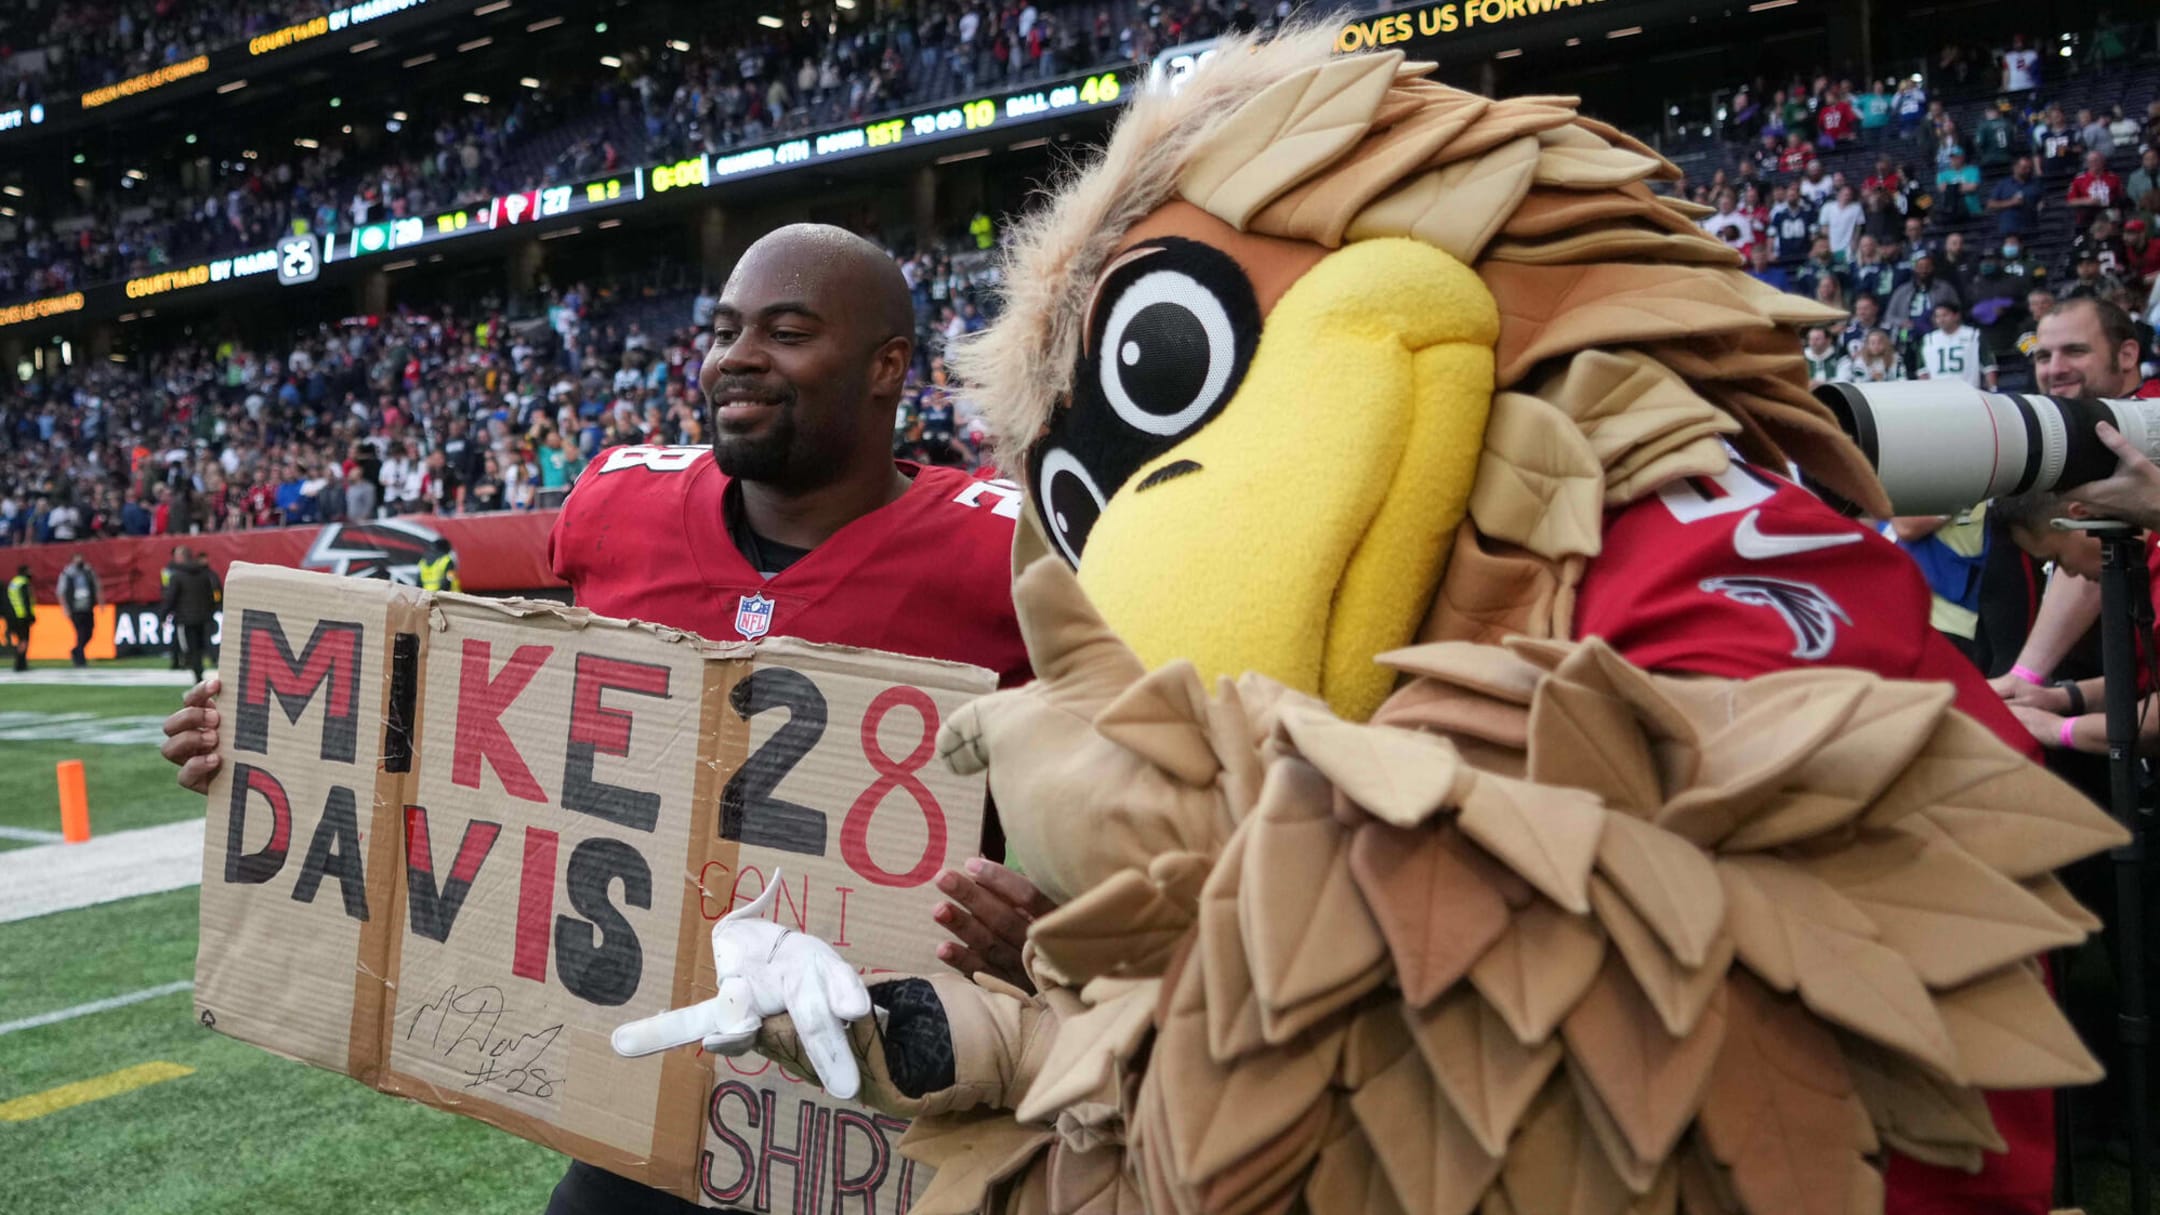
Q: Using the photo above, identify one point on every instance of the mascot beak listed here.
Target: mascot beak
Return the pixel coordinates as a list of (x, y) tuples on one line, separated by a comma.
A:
[(1303, 530)]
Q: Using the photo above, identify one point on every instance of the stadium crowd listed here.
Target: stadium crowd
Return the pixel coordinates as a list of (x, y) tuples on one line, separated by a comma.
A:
[(661, 103), (434, 412), (1945, 271), (1947, 214)]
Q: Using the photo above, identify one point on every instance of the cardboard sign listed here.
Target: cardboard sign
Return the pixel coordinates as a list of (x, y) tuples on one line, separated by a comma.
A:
[(456, 841)]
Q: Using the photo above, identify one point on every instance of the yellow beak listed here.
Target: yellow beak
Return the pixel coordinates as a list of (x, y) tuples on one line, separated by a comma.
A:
[(1313, 536)]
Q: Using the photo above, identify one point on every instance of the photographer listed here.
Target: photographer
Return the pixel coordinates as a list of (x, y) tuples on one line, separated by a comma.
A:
[(2084, 348)]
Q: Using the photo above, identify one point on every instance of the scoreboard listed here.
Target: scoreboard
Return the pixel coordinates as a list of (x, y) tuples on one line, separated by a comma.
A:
[(508, 211), (299, 258)]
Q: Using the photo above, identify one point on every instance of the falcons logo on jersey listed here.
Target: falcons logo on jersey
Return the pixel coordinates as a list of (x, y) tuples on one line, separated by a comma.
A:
[(1811, 615)]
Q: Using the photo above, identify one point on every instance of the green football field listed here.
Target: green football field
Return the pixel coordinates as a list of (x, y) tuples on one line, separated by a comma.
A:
[(242, 1130), (212, 1126)]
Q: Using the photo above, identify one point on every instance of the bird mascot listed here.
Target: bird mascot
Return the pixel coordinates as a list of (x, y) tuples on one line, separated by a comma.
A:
[(1472, 776)]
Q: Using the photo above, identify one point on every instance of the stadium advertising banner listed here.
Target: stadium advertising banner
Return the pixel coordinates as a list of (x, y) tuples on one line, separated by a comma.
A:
[(456, 842), (1382, 30), (298, 259), (338, 28), (502, 554)]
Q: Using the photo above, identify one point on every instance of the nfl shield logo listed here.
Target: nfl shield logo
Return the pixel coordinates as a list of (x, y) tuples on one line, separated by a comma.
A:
[(753, 617)]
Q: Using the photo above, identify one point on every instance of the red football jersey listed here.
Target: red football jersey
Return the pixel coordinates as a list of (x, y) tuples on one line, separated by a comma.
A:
[(644, 537), (1744, 574)]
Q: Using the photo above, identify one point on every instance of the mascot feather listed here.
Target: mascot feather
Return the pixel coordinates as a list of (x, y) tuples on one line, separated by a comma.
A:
[(1469, 773)]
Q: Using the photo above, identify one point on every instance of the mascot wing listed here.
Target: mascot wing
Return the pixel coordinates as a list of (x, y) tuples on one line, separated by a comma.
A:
[(1550, 933)]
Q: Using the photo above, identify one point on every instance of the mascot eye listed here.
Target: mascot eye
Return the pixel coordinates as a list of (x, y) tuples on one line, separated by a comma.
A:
[(1070, 502), (1168, 352)]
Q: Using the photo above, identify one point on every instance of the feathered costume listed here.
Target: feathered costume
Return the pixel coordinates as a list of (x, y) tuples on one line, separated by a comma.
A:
[(1380, 892)]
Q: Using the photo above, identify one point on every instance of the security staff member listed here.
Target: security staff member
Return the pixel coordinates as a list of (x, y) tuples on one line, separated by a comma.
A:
[(80, 595), (192, 594), (439, 572), (164, 579), (21, 610)]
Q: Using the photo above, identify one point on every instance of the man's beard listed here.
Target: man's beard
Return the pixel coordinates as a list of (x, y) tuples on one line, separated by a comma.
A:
[(763, 455), (767, 456)]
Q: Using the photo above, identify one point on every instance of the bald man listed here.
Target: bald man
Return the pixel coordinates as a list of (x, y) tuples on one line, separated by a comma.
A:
[(796, 522)]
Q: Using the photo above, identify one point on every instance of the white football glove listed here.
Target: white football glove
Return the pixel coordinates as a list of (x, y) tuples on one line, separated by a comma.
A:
[(766, 970)]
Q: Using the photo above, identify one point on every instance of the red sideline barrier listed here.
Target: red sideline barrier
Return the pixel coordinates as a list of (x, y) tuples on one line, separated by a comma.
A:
[(496, 554)]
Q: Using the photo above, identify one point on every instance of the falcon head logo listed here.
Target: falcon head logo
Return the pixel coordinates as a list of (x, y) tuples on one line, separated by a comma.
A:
[(390, 548), (1811, 615)]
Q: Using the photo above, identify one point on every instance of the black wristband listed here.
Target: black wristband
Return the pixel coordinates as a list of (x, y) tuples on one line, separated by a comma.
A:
[(2077, 697)]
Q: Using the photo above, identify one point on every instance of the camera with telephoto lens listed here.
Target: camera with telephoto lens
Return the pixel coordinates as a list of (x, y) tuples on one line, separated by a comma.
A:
[(1942, 446)]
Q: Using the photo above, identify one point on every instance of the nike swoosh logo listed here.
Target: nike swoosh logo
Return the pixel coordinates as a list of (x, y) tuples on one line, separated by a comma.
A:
[(1749, 542)]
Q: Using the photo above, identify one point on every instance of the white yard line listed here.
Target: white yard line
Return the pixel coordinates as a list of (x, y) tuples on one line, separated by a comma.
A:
[(62, 877), (129, 677), (30, 835), (96, 1006)]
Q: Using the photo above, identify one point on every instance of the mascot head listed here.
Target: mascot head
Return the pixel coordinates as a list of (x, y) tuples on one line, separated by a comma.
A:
[(1321, 358)]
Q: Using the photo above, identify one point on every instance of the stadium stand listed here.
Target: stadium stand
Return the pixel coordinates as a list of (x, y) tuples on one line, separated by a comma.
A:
[(435, 411), (659, 103), (208, 437), (2124, 96)]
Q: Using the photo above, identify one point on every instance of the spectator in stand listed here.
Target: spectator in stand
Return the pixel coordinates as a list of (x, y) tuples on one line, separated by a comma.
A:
[(1913, 198), (1996, 305), (2020, 67), (1764, 269), (1879, 216), (2122, 129), (1751, 204), (486, 492), (1727, 224), (2094, 135), (2014, 367), (1837, 122), (2087, 283), (1912, 306), (63, 523), (1797, 114), (2017, 200), (1866, 316), (1874, 109), (1824, 358), (1768, 157), (2141, 190), (2141, 258), (1820, 264), (1910, 106), (2054, 141), (1875, 362), (2014, 262), (1815, 185), (1954, 264), (1952, 350), (1994, 140), (1885, 177), (1742, 115), (2100, 243), (1824, 355), (1914, 243), (1841, 223), (1830, 292), (1796, 153), (1792, 224), (1960, 184)]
